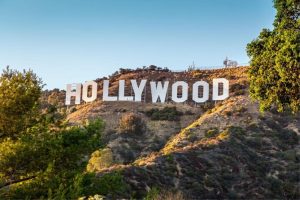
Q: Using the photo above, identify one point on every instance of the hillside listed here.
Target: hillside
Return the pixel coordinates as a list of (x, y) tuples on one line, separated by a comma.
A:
[(213, 150), (243, 155), (157, 132)]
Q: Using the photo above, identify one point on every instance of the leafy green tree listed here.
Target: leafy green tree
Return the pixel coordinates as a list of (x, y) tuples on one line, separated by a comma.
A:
[(275, 60), (44, 163), (19, 101)]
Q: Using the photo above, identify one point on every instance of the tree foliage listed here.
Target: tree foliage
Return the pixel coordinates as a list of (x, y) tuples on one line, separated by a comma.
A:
[(41, 157), (167, 113), (19, 95), (275, 60), (43, 163)]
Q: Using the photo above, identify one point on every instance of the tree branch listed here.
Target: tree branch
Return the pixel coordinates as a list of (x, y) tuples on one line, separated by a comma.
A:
[(16, 181)]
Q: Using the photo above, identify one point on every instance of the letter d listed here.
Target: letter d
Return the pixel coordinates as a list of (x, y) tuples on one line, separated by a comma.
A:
[(225, 94)]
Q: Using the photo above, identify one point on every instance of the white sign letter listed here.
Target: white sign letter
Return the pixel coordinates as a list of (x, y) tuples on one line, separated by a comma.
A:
[(122, 96), (159, 91), (184, 92), (205, 93), (85, 88), (225, 83), (138, 90), (105, 92), (70, 93)]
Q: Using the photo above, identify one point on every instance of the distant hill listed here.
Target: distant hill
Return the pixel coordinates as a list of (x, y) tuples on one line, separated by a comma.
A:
[(213, 150)]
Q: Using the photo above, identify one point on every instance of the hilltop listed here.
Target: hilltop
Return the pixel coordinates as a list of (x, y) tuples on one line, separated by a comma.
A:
[(158, 132), (225, 149)]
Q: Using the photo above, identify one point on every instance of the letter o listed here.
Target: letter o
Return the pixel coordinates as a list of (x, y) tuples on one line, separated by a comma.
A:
[(85, 87), (205, 96), (184, 96)]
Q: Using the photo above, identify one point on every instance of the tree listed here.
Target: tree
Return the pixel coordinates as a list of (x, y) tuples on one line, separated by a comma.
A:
[(275, 60), (19, 101), (46, 162)]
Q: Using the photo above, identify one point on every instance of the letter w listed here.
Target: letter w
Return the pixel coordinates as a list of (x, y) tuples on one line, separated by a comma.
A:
[(159, 91)]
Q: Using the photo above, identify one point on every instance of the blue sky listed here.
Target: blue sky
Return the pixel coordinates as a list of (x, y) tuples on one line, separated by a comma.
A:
[(69, 41)]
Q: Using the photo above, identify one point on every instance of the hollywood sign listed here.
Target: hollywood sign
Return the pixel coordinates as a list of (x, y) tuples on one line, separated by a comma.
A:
[(88, 91)]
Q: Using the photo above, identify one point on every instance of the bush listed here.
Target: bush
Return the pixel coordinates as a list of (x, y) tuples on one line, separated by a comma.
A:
[(242, 109), (239, 92), (88, 184), (167, 113), (157, 194), (131, 124), (238, 86), (207, 106), (228, 113), (152, 194), (290, 137), (112, 183), (100, 159), (212, 132), (188, 112)]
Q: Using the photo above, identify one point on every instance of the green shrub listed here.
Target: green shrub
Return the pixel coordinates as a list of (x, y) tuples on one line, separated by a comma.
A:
[(289, 155), (228, 113), (253, 127), (100, 159), (212, 132), (241, 109), (237, 86), (288, 136), (132, 124), (188, 112), (207, 106), (152, 194), (239, 92), (156, 193), (111, 183), (72, 109), (108, 184), (167, 113)]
